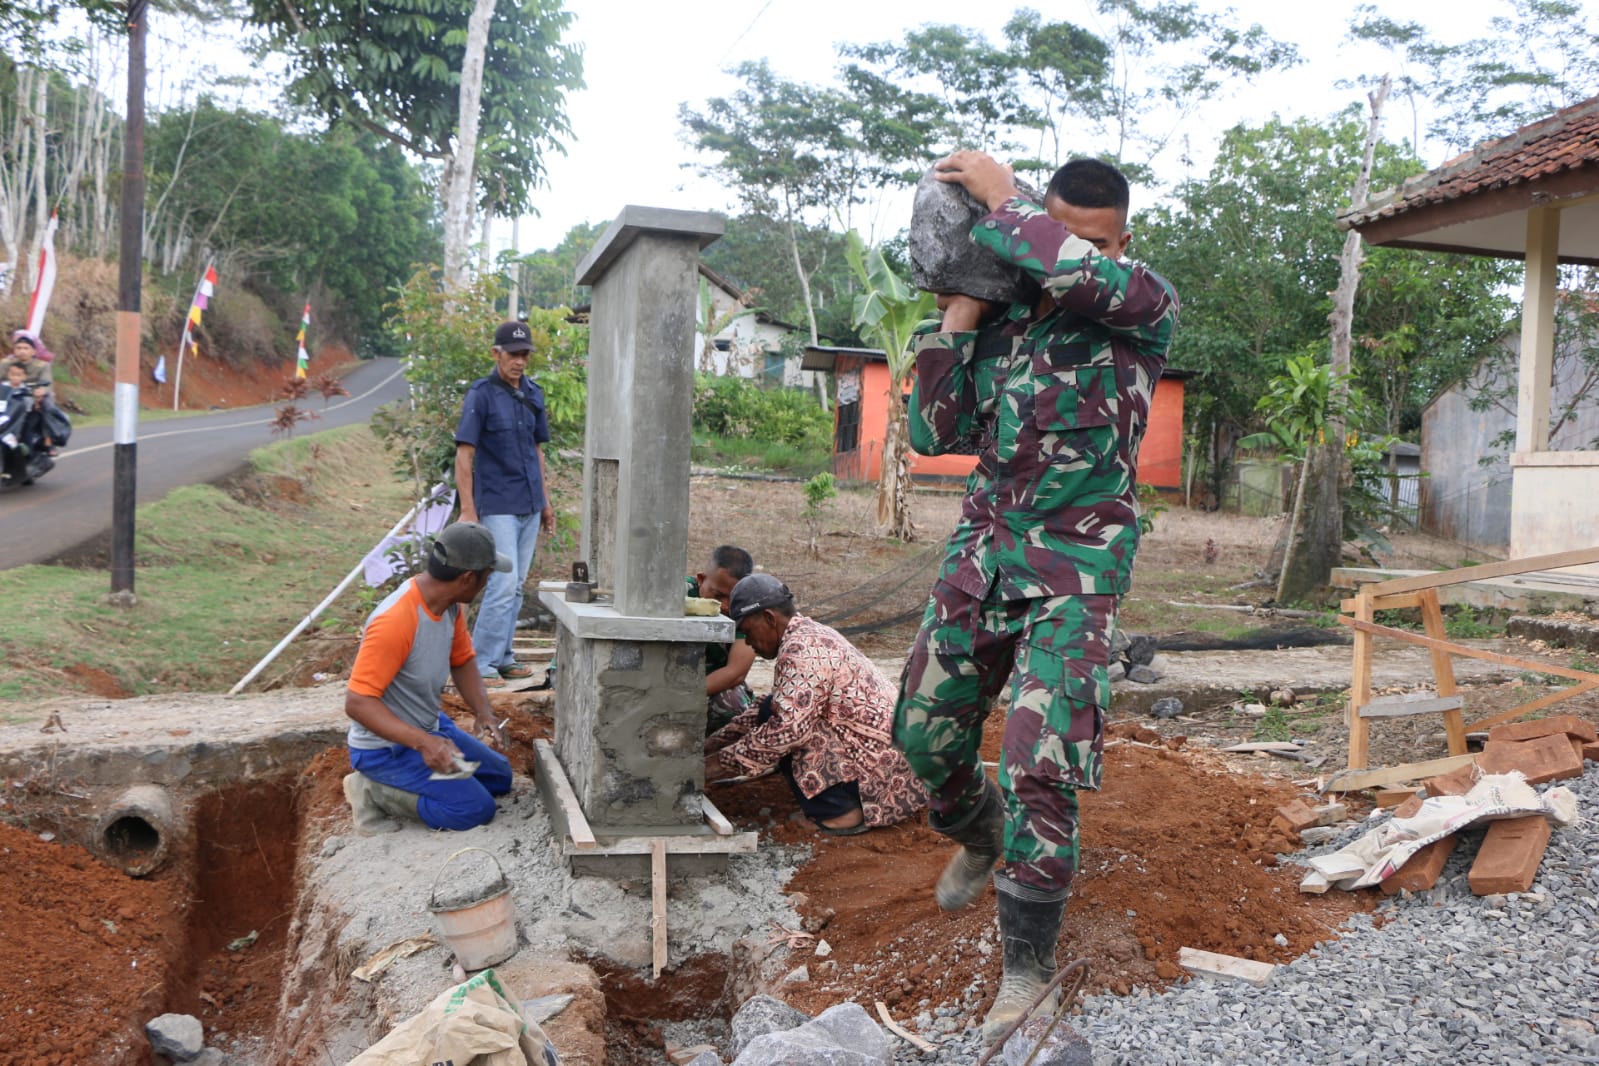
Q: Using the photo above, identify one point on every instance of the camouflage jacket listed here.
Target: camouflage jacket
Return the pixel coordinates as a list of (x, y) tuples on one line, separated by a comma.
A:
[(1054, 405)]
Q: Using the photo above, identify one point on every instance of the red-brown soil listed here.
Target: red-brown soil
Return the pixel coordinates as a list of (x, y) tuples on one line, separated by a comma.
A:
[(84, 953), (1178, 851), (209, 382)]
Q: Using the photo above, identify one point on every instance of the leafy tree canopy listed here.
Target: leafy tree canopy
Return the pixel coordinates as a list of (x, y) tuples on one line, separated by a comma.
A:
[(394, 70)]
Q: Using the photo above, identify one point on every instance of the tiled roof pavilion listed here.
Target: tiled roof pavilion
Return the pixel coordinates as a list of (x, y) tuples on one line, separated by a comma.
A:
[(1477, 203), (1532, 196)]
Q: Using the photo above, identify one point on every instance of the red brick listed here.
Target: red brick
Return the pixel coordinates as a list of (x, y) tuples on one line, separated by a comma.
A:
[(1578, 746), (1409, 808), (1569, 724), (1591, 752), (1422, 870), (1511, 852), (1456, 782), (1296, 815), (1393, 797), (1548, 758)]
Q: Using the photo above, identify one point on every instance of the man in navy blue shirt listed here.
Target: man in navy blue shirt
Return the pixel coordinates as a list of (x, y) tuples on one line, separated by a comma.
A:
[(499, 472)]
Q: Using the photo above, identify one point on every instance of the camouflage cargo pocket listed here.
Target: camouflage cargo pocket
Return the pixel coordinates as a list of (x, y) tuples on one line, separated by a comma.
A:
[(1068, 695), (1070, 392)]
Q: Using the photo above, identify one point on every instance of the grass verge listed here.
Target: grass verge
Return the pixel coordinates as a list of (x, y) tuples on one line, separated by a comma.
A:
[(221, 577)]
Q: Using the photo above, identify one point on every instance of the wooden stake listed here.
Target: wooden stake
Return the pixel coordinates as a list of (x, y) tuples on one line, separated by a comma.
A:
[(658, 904), (1360, 685), (1443, 669)]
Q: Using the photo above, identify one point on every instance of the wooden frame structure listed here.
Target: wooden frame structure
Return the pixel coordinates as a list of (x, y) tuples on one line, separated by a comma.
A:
[(1421, 591)]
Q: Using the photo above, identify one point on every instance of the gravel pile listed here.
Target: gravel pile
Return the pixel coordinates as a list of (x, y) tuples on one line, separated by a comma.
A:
[(1441, 977)]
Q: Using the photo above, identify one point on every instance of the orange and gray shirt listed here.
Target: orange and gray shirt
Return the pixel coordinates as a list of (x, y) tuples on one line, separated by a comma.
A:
[(405, 659)]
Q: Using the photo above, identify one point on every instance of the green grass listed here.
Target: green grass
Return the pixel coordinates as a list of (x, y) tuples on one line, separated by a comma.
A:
[(1273, 726), (219, 581), (752, 454)]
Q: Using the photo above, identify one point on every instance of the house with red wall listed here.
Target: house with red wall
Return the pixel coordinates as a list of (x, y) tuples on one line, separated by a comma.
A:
[(860, 423)]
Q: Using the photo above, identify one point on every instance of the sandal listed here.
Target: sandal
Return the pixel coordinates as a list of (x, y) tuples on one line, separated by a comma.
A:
[(516, 673), (844, 830), (490, 681)]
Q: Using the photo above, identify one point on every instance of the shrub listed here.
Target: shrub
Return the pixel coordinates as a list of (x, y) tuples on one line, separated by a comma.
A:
[(736, 408)]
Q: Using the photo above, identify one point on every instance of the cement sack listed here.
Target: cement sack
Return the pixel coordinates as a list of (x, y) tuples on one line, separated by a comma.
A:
[(475, 1023)]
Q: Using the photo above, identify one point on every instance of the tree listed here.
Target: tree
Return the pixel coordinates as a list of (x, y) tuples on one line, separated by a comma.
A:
[(1166, 59), (887, 312), (1252, 249), (800, 153), (1315, 545), (1479, 88), (396, 71), (549, 275)]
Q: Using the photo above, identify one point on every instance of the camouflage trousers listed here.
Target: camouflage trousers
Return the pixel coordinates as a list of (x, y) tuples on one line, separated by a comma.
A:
[(1054, 651)]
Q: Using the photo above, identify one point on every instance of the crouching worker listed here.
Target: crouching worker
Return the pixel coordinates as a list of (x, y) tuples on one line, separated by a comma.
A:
[(400, 739), (726, 665), (828, 724)]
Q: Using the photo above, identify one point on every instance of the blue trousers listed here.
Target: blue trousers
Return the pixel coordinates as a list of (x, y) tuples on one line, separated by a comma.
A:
[(516, 536), (461, 804)]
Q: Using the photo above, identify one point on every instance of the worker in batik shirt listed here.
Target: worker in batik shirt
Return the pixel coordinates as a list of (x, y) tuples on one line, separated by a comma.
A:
[(827, 725)]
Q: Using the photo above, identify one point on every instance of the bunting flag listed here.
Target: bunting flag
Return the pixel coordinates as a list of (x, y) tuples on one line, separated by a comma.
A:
[(188, 342), (46, 281), (304, 357)]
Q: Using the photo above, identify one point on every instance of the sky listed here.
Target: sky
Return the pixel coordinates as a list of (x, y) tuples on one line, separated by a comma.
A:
[(642, 59)]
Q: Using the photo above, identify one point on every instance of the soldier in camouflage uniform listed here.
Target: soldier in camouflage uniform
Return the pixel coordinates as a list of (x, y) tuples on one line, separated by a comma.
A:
[(1054, 397)]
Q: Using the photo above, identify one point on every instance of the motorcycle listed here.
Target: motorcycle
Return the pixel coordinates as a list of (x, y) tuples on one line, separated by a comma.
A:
[(25, 423)]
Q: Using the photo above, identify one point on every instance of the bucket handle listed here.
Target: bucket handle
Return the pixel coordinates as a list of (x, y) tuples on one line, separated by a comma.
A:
[(433, 890)]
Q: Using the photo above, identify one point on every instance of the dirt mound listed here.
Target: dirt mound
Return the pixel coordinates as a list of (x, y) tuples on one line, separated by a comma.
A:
[(1178, 851), (83, 953)]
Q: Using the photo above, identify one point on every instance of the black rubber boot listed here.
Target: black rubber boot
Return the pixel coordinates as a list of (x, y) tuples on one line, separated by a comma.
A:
[(981, 835), (1029, 927)]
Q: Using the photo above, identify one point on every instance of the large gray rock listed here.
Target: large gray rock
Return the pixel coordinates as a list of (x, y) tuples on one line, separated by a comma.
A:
[(853, 1028), (943, 258), (809, 1045), (1140, 649), (760, 1016), (1065, 1046), (179, 1037)]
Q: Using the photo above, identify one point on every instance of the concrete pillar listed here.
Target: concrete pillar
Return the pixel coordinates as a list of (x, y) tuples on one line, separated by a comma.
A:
[(645, 277), (1534, 376), (630, 668)]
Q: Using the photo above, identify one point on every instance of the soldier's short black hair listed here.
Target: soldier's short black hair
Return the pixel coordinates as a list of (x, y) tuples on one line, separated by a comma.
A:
[(736, 561), (1090, 183)]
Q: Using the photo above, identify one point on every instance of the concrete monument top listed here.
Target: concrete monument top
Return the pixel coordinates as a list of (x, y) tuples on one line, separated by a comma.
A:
[(635, 221)]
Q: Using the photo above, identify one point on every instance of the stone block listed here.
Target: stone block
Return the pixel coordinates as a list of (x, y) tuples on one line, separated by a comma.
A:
[(853, 1028), (1568, 724), (179, 1037), (1546, 758), (943, 257), (1141, 649), (1510, 854), (1456, 782), (762, 1016), (1065, 1046), (1423, 869)]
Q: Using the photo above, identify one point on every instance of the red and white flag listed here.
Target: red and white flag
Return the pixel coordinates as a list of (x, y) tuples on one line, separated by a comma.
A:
[(46, 281)]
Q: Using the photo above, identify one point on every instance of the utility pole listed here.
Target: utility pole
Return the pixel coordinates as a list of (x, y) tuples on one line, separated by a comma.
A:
[(125, 427)]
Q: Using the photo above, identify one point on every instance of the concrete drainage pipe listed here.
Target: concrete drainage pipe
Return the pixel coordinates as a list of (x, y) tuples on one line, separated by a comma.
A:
[(135, 831)]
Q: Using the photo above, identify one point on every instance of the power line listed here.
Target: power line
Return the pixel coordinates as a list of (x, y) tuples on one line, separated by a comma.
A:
[(746, 32)]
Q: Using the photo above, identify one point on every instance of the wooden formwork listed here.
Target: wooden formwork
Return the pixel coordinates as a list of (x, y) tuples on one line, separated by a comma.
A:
[(1421, 592)]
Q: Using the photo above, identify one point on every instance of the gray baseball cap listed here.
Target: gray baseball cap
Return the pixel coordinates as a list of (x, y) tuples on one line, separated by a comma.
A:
[(469, 546), (756, 592)]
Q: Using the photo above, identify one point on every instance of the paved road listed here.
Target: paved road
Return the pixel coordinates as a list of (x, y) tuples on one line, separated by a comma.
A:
[(71, 505)]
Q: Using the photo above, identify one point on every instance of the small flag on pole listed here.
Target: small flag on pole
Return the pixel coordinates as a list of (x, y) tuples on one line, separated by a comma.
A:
[(187, 343), (46, 280), (304, 357)]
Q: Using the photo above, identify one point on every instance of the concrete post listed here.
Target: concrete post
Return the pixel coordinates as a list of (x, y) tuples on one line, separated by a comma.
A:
[(630, 673)]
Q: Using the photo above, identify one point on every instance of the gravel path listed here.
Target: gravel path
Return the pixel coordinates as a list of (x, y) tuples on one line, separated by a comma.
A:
[(1441, 977)]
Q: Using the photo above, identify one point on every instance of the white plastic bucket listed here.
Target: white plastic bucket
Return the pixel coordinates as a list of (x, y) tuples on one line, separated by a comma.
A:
[(481, 933)]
